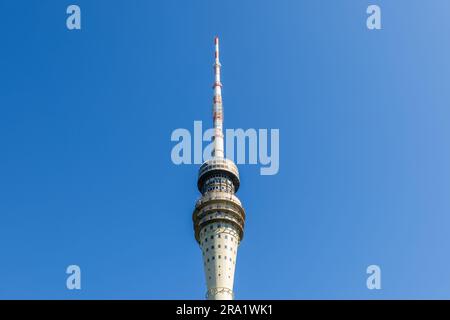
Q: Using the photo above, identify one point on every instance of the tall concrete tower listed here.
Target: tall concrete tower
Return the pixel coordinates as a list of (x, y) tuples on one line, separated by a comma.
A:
[(218, 215)]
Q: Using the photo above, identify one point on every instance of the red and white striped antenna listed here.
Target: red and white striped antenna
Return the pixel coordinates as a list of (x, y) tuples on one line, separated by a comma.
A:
[(217, 105)]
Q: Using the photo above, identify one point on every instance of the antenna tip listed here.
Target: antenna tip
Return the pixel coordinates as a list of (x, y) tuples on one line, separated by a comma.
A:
[(216, 40)]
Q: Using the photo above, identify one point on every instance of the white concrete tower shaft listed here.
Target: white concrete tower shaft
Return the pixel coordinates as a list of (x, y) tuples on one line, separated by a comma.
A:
[(218, 215)]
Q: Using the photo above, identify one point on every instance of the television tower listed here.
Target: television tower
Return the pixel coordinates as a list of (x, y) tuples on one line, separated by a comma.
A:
[(218, 215)]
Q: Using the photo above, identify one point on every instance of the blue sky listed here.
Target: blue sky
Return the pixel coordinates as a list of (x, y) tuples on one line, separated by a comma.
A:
[(86, 117)]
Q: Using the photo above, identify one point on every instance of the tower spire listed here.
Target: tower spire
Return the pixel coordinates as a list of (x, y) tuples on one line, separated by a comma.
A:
[(218, 150)]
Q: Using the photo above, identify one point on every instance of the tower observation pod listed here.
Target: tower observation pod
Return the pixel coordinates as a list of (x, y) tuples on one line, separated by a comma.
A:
[(218, 215)]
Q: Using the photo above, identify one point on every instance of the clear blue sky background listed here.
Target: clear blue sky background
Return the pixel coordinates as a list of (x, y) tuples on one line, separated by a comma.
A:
[(86, 176)]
